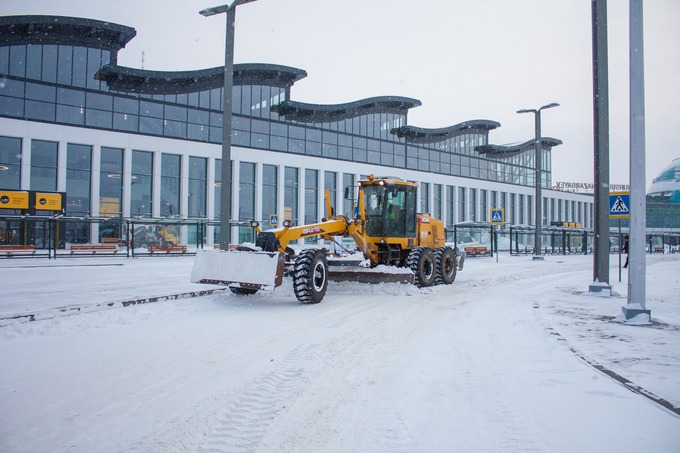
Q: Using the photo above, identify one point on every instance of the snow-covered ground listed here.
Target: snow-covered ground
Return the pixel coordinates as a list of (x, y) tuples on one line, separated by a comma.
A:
[(503, 360)]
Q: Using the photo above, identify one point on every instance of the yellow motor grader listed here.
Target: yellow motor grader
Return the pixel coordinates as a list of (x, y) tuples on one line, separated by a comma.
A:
[(387, 231)]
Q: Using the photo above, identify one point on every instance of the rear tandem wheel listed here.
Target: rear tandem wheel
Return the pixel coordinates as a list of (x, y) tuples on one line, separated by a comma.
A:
[(421, 261)]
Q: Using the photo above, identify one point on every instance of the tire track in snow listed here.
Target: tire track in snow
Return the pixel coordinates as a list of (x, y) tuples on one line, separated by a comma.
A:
[(246, 420)]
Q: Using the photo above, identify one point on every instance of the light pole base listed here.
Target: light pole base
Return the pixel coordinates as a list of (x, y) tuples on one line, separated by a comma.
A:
[(634, 310), (600, 287), (538, 258)]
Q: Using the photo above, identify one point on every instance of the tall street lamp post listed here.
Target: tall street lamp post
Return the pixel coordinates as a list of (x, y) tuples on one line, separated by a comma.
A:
[(225, 192), (539, 177)]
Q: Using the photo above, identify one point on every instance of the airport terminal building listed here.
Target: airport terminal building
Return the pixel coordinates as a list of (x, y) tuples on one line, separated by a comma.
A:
[(123, 143)]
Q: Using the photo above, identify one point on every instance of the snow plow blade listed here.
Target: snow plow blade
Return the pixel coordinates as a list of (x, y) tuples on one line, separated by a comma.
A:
[(239, 269), (365, 275)]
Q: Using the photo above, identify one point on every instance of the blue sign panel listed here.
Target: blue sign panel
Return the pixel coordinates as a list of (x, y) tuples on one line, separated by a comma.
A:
[(619, 205), (497, 216)]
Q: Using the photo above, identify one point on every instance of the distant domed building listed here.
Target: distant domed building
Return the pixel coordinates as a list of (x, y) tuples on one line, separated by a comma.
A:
[(665, 188)]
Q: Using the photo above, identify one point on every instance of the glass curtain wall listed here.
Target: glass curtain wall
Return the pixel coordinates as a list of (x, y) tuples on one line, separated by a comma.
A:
[(462, 200), (290, 194), (330, 181), (450, 205), (311, 200), (142, 184), (348, 202), (171, 165), (78, 184), (246, 201), (44, 158), (111, 183), (10, 163), (198, 182), (270, 200)]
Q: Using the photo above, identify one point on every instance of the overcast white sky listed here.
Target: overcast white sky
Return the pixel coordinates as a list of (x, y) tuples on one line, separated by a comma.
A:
[(464, 60)]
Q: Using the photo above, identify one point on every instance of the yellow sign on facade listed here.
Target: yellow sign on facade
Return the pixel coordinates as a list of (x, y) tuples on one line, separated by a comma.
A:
[(48, 201), (13, 200)]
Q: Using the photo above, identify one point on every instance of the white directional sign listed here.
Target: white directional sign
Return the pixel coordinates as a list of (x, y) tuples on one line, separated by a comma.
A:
[(619, 205)]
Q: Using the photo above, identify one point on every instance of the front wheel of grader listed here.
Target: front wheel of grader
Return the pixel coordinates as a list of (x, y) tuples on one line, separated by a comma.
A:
[(310, 276)]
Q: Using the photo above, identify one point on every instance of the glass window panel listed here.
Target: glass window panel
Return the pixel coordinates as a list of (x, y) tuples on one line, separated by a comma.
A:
[(40, 92), (150, 125), (10, 157), (125, 122), (125, 105), (79, 66), (290, 194), (175, 113), (17, 61), (40, 110), (94, 63), (246, 209), (78, 168), (33, 62), (198, 171), (13, 88), (151, 109), (99, 101), (4, 58), (111, 182), (260, 141), (296, 132), (70, 115), (269, 192), (175, 129), (280, 130), (240, 123), (99, 118), (198, 116), (236, 99), (245, 99), (216, 99), (260, 126), (64, 64), (197, 132), (49, 63), (170, 184), (311, 196), (70, 97)]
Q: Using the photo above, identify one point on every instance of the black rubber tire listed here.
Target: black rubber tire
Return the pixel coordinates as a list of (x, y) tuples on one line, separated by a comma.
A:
[(421, 261), (445, 262), (242, 291), (310, 277)]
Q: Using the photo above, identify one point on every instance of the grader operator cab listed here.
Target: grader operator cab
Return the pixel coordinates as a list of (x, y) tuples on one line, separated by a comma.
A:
[(385, 227)]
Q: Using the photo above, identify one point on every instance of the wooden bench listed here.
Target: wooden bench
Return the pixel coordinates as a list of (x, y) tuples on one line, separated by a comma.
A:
[(11, 250), (93, 248), (116, 241), (476, 250), (167, 249)]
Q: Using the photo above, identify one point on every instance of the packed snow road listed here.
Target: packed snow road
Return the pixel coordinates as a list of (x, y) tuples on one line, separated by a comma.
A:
[(373, 368)]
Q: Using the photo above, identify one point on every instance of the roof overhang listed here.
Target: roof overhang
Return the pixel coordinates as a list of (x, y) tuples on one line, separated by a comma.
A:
[(316, 113), (509, 150), (414, 134), (175, 82), (64, 30)]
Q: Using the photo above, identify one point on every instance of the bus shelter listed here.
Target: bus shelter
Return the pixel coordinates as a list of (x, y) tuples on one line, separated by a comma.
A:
[(555, 240)]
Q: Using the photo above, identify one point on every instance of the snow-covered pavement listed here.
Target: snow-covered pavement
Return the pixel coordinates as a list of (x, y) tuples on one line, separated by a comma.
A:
[(487, 364)]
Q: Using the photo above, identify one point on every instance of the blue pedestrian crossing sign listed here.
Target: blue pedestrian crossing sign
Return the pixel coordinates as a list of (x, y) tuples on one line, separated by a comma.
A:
[(274, 220), (619, 205), (497, 216)]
